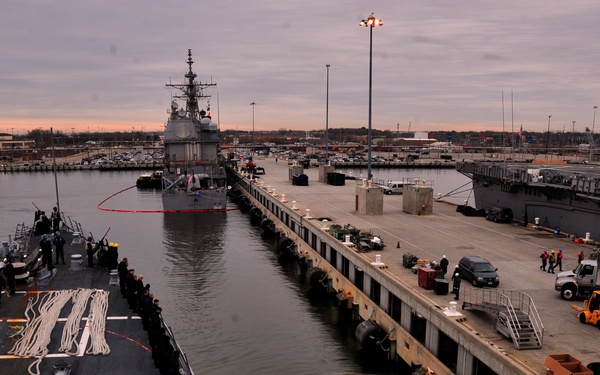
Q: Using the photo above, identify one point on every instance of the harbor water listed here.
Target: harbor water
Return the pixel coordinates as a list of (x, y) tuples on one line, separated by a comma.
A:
[(233, 304)]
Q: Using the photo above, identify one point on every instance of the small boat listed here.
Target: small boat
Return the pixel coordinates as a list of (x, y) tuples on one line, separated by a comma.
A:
[(150, 180)]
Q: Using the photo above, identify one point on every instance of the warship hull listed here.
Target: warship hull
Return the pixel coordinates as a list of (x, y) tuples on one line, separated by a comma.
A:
[(201, 201)]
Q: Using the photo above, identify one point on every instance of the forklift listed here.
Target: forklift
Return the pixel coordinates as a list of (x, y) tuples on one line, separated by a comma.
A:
[(590, 313)]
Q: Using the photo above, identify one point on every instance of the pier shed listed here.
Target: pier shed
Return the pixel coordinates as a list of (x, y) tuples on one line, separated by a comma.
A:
[(418, 198)]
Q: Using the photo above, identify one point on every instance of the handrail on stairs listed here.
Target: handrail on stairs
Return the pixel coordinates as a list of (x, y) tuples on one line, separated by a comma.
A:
[(514, 327), (511, 301), (529, 308)]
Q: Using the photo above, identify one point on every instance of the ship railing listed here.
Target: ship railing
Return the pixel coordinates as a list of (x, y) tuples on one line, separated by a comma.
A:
[(184, 365), (72, 225), (23, 233)]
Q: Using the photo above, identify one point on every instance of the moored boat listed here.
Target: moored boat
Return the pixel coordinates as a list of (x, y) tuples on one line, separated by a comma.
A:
[(563, 197), (193, 174), (150, 180)]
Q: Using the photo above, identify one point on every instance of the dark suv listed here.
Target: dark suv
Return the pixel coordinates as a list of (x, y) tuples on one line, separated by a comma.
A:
[(478, 271), (500, 215)]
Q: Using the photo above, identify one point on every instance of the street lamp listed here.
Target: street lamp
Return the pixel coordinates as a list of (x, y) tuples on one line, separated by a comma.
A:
[(370, 22), (573, 135), (548, 139), (253, 140), (327, 120), (594, 121)]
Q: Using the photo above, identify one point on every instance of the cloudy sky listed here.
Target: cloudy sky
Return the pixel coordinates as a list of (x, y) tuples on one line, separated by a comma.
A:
[(437, 65)]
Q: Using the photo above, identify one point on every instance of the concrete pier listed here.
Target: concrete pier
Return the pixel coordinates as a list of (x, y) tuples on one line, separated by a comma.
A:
[(423, 329)]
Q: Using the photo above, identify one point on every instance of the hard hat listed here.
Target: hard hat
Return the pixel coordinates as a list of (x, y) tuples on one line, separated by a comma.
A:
[(456, 274), (111, 244), (57, 233), (116, 244), (553, 251)]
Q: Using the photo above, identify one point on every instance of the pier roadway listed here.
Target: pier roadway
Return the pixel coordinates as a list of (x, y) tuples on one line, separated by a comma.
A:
[(511, 248)]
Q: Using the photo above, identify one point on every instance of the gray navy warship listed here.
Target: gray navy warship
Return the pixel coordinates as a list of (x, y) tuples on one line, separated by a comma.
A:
[(563, 197), (194, 179)]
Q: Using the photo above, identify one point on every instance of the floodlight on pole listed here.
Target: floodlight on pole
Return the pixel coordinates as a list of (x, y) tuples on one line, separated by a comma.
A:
[(253, 138), (327, 119), (548, 138), (370, 22), (594, 120)]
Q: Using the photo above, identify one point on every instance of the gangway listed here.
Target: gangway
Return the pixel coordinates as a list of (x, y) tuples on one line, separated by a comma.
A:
[(516, 315)]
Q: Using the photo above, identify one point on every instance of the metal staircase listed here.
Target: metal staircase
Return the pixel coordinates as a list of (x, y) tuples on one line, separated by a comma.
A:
[(516, 315)]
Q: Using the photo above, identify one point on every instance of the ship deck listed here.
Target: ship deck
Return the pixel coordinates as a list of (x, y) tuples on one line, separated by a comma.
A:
[(513, 249), (588, 170), (128, 341)]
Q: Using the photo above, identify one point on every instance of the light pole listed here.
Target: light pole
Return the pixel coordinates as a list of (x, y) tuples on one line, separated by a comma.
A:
[(370, 22), (594, 120), (573, 135), (327, 120), (253, 140), (548, 138), (12, 142)]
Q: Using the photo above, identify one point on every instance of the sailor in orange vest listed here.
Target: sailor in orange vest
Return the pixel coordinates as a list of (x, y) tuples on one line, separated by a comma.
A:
[(544, 257), (580, 257)]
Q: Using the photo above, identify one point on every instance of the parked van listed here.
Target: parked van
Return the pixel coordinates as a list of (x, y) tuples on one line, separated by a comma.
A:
[(393, 187), (478, 271)]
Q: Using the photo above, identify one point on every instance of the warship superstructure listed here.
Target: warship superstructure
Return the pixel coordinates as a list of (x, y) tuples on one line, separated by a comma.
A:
[(564, 197), (194, 179)]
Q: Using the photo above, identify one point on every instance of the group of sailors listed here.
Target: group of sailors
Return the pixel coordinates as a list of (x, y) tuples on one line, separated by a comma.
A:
[(43, 224), (142, 302)]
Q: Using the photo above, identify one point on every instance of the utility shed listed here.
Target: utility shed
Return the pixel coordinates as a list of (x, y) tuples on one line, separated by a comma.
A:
[(295, 169), (417, 199), (369, 198)]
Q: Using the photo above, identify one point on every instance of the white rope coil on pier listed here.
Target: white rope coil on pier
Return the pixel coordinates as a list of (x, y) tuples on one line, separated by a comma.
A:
[(97, 323), (71, 329)]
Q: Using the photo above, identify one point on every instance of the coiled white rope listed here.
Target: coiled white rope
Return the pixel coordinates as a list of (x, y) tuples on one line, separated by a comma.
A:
[(71, 329), (97, 323), (42, 314), (35, 337)]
